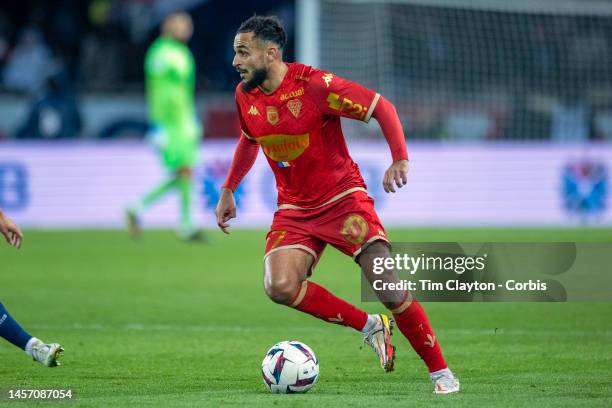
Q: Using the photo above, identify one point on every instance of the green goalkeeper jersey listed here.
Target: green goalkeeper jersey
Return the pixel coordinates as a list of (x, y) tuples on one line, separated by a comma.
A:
[(170, 87)]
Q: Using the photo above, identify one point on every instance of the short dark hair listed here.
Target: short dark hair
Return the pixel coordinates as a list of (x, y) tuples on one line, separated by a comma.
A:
[(267, 28)]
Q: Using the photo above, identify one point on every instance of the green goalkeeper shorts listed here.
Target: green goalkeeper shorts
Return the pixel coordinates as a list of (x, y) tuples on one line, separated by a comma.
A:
[(183, 154), (177, 145)]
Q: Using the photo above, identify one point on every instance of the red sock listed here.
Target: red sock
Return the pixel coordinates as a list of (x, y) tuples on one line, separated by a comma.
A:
[(414, 325), (319, 302)]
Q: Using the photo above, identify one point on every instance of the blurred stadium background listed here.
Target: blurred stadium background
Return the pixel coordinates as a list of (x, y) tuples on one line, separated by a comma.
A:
[(507, 109), (507, 106)]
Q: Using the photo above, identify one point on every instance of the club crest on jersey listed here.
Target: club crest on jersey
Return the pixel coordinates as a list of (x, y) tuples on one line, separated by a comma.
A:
[(295, 106), (354, 229), (272, 115)]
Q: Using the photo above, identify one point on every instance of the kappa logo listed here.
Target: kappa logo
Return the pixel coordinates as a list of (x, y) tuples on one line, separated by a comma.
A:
[(253, 111), (272, 115), (328, 78), (295, 107), (337, 319), (431, 340)]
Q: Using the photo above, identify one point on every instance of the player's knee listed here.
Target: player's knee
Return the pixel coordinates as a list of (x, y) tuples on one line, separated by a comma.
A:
[(184, 173), (281, 290), (377, 249)]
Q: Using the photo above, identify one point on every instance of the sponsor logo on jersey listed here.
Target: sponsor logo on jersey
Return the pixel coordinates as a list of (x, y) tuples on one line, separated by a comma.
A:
[(354, 229), (272, 115), (295, 107), (253, 111), (292, 94), (343, 104), (283, 148), (327, 78)]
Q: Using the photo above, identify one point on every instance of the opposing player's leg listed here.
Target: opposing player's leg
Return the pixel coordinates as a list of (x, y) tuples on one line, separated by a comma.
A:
[(11, 331), (410, 319), (47, 354)]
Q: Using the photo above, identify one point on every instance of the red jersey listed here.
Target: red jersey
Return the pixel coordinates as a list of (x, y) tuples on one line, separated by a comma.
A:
[(298, 128)]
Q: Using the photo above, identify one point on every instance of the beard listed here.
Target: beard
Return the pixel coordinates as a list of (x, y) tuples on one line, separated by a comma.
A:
[(259, 76)]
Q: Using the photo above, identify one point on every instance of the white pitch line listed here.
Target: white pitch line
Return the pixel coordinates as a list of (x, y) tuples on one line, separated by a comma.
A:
[(253, 329)]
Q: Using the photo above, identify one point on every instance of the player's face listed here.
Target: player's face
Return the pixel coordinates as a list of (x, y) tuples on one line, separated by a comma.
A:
[(250, 60), (179, 26)]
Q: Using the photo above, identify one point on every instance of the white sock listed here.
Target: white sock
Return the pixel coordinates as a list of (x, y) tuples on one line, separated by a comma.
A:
[(437, 374), (370, 323), (29, 344)]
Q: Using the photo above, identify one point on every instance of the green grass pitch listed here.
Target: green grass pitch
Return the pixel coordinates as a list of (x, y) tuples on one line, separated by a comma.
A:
[(164, 323)]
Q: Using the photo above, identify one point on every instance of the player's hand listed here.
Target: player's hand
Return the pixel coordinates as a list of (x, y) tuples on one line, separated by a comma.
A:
[(226, 209), (11, 232), (396, 175)]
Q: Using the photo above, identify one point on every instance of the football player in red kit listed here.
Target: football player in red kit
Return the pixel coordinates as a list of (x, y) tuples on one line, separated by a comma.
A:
[(293, 112)]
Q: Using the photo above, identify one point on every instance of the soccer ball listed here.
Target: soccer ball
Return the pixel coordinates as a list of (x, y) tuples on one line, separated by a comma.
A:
[(289, 367)]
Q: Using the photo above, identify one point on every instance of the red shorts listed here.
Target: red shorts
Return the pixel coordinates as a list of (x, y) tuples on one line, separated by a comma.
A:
[(348, 224)]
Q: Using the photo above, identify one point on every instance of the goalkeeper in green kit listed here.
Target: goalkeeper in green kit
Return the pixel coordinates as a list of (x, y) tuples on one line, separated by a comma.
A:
[(170, 87)]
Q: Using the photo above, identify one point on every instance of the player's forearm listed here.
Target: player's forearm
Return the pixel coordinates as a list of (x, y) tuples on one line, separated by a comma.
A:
[(390, 124), (244, 157)]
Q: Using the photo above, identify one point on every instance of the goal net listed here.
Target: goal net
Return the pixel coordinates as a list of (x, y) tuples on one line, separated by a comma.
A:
[(477, 69)]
